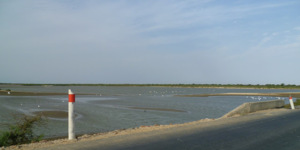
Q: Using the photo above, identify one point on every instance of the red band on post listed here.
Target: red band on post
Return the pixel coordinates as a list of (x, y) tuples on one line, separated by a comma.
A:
[(72, 98)]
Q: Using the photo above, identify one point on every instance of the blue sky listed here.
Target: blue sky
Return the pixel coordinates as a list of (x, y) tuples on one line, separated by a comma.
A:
[(154, 41)]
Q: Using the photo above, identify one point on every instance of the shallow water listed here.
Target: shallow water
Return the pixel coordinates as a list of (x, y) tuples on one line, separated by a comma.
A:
[(111, 107)]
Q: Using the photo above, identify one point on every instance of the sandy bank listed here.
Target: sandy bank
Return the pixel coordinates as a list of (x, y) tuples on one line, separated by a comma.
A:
[(17, 93)]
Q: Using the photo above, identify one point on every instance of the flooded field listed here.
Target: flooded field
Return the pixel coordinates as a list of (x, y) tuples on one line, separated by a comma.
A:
[(109, 108)]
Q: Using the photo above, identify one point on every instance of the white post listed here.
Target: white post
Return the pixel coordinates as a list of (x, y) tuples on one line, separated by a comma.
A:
[(71, 115), (292, 103)]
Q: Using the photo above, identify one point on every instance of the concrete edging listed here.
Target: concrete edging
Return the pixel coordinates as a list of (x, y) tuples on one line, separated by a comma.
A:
[(254, 106)]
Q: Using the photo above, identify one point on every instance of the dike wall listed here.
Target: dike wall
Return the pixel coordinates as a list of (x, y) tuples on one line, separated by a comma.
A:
[(250, 107)]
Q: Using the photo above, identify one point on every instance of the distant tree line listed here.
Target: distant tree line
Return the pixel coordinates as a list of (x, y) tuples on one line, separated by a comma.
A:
[(265, 86)]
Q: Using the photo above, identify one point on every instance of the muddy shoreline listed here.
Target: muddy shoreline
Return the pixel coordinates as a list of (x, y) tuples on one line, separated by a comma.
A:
[(17, 93), (157, 109)]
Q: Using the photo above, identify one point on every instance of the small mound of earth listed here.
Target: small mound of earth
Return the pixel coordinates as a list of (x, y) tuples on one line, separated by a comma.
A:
[(53, 114)]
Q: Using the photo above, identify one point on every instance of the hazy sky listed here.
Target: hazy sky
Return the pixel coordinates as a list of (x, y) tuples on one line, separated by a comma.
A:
[(150, 41)]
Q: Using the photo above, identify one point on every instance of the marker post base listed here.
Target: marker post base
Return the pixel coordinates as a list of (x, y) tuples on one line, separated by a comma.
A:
[(292, 103), (71, 126)]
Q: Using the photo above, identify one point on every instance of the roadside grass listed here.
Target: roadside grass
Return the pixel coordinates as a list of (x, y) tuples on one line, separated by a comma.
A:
[(296, 103), (21, 132)]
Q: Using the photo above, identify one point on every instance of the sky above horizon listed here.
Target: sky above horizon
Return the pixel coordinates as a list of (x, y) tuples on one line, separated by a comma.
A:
[(154, 41)]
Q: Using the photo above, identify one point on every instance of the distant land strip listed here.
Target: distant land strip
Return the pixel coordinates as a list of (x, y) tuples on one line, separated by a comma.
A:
[(257, 86), (294, 94)]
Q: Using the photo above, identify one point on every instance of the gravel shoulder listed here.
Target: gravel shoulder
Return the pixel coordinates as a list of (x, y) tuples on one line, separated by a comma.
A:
[(143, 134)]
